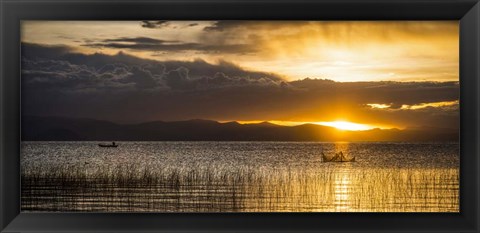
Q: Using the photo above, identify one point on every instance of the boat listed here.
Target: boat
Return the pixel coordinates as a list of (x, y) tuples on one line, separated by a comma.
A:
[(108, 145), (338, 157)]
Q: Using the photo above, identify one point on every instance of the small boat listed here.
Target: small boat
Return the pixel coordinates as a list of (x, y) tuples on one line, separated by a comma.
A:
[(108, 145), (338, 157)]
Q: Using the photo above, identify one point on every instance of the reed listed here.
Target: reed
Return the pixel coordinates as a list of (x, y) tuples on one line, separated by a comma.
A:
[(140, 188)]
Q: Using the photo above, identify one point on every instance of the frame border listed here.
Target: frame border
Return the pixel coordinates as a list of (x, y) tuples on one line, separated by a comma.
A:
[(13, 11)]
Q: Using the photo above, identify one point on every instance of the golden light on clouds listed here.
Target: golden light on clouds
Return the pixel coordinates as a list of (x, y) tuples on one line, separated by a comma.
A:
[(350, 75), (338, 50), (434, 105), (417, 106), (380, 106)]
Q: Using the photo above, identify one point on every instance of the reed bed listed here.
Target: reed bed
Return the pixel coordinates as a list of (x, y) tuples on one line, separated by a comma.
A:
[(141, 188)]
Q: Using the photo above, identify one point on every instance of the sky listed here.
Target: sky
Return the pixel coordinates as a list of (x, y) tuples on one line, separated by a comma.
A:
[(373, 73)]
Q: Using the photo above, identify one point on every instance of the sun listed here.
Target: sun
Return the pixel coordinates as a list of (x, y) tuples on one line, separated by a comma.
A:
[(345, 125)]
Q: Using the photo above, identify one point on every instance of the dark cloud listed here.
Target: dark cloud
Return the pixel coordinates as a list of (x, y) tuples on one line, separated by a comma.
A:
[(179, 79), (386, 92), (125, 71), (217, 26), (142, 78), (232, 26), (140, 40), (123, 88), (151, 44), (200, 68), (197, 68), (62, 76), (36, 50), (227, 24), (154, 24)]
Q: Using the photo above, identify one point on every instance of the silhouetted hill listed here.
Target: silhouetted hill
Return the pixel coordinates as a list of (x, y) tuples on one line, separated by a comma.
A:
[(77, 129)]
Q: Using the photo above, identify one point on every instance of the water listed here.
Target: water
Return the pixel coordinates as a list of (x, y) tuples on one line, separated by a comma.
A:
[(239, 177)]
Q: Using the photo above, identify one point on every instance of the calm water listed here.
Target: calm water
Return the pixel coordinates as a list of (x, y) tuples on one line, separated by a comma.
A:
[(239, 177)]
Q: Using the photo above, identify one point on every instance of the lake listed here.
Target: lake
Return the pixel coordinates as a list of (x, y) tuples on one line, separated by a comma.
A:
[(239, 177)]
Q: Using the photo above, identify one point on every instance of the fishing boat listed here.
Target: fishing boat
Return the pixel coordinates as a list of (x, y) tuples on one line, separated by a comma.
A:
[(108, 145), (338, 157)]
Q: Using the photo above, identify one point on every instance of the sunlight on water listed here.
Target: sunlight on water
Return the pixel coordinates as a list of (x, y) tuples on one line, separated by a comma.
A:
[(239, 177), (342, 193)]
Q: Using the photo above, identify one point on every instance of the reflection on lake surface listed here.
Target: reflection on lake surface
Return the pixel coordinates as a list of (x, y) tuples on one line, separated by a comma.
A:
[(239, 177)]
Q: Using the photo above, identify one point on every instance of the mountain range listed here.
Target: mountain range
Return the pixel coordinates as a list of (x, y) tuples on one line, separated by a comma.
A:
[(37, 128)]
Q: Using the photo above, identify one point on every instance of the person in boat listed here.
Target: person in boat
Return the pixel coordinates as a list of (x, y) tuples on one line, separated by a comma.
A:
[(334, 158), (327, 158), (338, 156)]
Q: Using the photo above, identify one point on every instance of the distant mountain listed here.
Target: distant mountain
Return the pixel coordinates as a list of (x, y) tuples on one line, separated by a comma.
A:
[(36, 128)]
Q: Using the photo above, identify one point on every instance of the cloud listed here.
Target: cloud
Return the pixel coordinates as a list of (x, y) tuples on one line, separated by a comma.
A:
[(227, 24), (178, 79), (154, 24), (340, 50), (200, 68), (124, 88), (394, 94), (151, 44), (62, 76), (141, 40), (142, 78), (37, 50), (119, 70)]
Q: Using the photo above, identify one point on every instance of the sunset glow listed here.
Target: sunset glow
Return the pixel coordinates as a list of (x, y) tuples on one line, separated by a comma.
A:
[(345, 125), (338, 50), (350, 75), (341, 125), (240, 116)]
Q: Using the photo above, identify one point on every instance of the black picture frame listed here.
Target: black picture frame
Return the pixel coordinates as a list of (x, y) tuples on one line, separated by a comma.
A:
[(13, 11)]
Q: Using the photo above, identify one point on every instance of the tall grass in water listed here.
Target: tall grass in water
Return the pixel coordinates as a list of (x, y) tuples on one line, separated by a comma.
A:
[(134, 188)]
